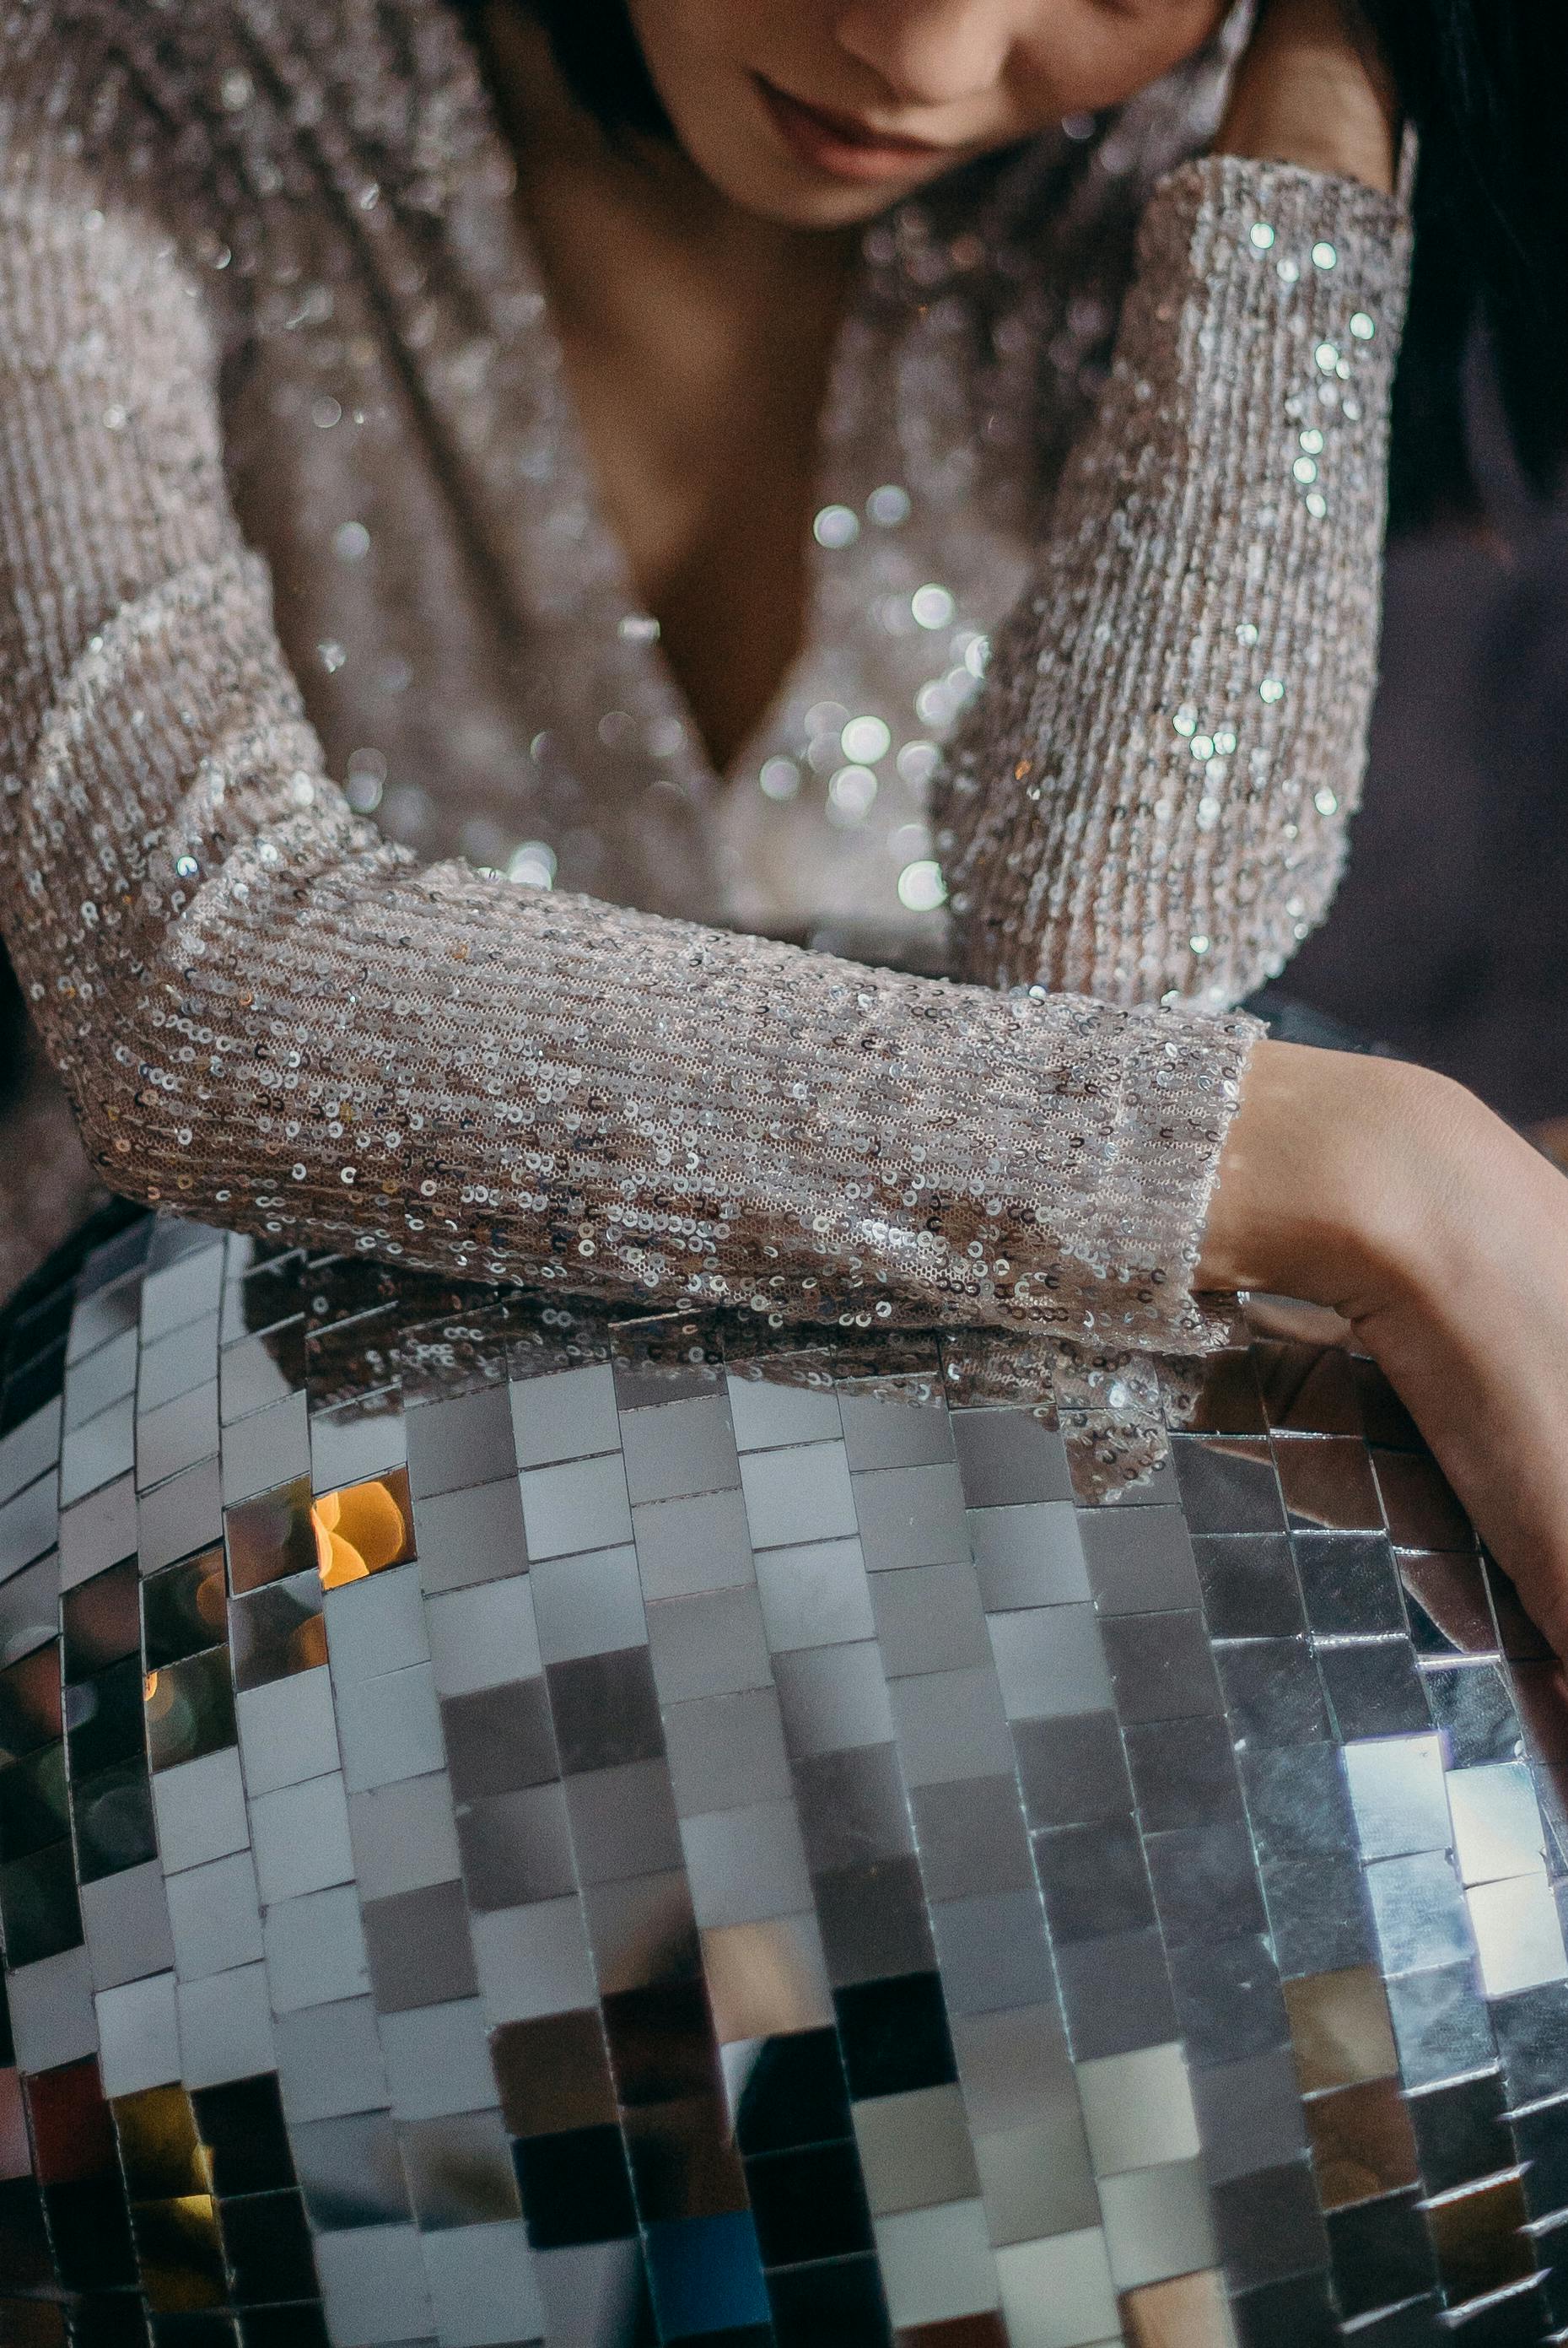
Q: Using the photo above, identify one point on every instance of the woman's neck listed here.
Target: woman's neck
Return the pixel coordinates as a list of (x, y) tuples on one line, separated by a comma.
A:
[(698, 340), (631, 237)]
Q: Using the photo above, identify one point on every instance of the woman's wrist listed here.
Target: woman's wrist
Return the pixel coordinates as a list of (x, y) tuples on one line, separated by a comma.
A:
[(1343, 1177)]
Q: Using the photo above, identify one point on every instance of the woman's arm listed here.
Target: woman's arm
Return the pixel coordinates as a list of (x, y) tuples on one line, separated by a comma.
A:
[(266, 1016), (1383, 1191), (1150, 798)]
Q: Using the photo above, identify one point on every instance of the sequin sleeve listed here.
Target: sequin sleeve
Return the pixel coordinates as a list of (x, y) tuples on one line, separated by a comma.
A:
[(266, 1015), (1150, 798)]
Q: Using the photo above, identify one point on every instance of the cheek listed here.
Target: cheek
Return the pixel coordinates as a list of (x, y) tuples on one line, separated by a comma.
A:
[(712, 37), (690, 48), (1086, 54)]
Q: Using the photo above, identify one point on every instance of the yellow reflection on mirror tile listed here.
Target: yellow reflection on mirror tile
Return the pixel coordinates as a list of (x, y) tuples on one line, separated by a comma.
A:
[(363, 1527), (179, 2253), (162, 2156)]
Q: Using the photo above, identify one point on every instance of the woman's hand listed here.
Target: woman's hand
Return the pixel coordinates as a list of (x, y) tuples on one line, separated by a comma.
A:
[(1311, 90), (1393, 1197)]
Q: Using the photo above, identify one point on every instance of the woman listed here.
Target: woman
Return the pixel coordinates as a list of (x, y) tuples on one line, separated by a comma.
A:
[(1070, 911), (1242, 891), (509, 404)]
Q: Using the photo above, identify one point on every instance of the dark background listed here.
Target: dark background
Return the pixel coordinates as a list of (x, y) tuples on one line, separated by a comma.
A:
[(1448, 938)]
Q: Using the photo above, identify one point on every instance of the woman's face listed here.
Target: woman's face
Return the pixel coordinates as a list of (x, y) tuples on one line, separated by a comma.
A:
[(822, 112)]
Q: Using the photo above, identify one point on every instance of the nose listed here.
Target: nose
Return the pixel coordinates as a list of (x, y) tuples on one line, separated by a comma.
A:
[(930, 52)]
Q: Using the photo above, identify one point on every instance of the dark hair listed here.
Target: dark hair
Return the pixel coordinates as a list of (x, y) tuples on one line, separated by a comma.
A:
[(601, 60), (1483, 81)]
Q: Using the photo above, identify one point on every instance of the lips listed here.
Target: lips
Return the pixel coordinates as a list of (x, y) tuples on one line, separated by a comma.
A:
[(845, 145)]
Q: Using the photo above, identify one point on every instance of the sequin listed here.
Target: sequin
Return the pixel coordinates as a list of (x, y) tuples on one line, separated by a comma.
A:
[(865, 739), (889, 506), (917, 763), (779, 779), (921, 885), (533, 864), (836, 526), (850, 794), (932, 607)]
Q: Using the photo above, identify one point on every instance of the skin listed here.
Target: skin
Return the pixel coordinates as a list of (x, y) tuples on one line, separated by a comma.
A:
[(967, 74), (699, 291)]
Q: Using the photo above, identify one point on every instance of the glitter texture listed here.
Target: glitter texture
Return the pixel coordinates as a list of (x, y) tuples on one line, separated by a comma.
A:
[(266, 289)]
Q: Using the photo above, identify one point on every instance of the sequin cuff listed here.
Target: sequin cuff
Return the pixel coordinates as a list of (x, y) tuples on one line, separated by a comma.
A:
[(1182, 1079)]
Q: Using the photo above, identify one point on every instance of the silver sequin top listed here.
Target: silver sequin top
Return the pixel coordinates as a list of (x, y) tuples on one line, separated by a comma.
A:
[(362, 868)]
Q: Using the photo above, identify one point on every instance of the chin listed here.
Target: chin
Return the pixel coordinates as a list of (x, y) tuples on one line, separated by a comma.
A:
[(823, 210), (778, 189)]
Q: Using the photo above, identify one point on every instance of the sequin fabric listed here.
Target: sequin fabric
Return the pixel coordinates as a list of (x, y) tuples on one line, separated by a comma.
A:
[(293, 531), (521, 1827)]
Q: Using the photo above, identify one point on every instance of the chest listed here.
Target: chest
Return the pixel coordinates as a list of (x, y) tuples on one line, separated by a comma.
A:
[(700, 424)]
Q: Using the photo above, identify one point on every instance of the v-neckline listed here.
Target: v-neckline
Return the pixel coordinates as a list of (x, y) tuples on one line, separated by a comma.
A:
[(462, 293), (602, 546)]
